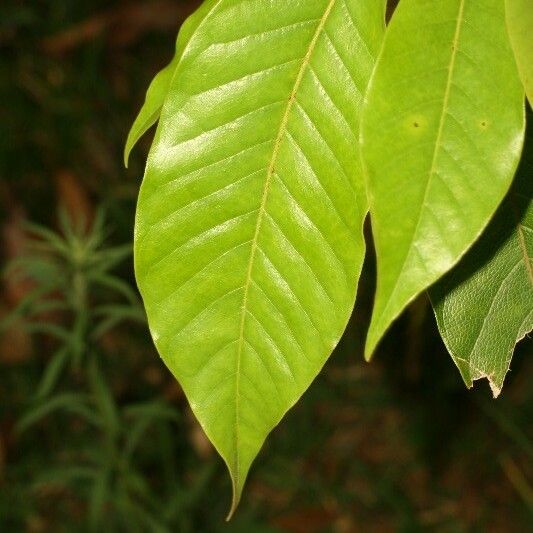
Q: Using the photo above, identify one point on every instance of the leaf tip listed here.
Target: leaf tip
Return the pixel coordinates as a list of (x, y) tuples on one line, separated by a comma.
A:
[(140, 126), (234, 505), (369, 353), (130, 143), (372, 340), (496, 388), (496, 385), (236, 497), (381, 321)]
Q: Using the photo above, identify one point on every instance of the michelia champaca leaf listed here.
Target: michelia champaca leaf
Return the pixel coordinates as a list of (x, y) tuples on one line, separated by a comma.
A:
[(248, 241), (158, 89), (442, 132), (484, 306), (520, 24)]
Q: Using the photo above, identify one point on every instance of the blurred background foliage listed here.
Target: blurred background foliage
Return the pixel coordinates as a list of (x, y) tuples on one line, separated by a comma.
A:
[(95, 435)]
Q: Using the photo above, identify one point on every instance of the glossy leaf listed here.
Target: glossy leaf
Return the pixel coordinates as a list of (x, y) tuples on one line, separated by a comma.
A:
[(248, 242), (158, 89), (484, 306), (149, 113), (520, 25), (441, 136)]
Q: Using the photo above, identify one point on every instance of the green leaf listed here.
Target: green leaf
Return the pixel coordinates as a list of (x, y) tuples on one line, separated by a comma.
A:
[(158, 89), (484, 306), (151, 109), (69, 402), (99, 495), (519, 15), (104, 400), (441, 140), (52, 373), (248, 241)]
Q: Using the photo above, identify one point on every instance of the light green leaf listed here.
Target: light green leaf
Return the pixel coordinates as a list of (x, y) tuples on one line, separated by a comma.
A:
[(248, 242), (442, 134), (484, 306), (519, 14), (158, 89), (149, 113)]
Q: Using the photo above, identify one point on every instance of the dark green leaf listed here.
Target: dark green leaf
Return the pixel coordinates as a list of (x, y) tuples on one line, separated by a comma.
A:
[(485, 304)]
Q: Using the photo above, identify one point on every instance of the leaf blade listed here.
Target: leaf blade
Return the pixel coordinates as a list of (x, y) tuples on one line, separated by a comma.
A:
[(519, 16), (491, 289), (151, 109), (446, 134), (157, 91), (258, 209)]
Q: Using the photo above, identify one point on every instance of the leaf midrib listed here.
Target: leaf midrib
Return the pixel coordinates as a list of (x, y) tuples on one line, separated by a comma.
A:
[(262, 209)]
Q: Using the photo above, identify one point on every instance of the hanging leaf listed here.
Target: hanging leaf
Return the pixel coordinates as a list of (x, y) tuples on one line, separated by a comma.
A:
[(149, 113), (248, 241), (442, 133), (519, 14), (484, 306), (158, 89)]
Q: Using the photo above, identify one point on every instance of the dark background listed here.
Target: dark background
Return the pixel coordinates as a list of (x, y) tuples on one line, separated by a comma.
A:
[(95, 435)]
